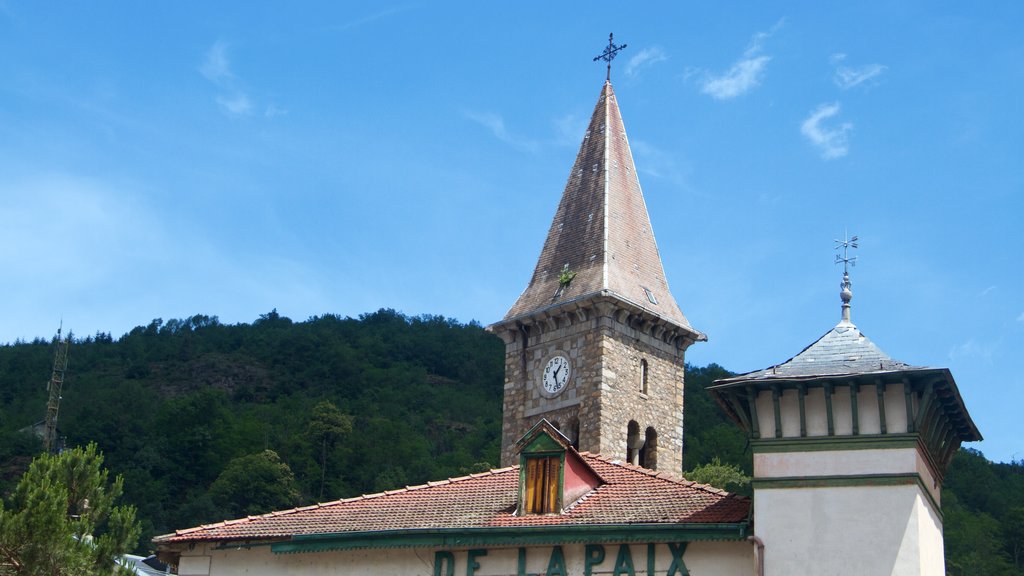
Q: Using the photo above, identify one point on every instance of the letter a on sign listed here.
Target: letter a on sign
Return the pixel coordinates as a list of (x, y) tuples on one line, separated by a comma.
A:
[(624, 562), (556, 564)]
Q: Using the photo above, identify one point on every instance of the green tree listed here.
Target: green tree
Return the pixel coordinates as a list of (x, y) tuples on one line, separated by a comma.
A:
[(1013, 529), (63, 520), (719, 475), (326, 426), (255, 484)]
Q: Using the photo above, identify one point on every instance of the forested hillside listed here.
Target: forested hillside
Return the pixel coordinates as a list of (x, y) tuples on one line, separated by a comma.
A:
[(207, 421)]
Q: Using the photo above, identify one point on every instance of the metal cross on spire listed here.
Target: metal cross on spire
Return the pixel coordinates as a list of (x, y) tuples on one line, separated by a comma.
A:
[(609, 54)]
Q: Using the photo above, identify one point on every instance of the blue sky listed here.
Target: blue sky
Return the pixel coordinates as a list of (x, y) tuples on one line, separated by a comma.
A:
[(163, 159)]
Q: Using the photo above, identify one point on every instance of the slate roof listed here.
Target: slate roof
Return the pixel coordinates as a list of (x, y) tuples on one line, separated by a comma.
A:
[(602, 230), (843, 350), (630, 495)]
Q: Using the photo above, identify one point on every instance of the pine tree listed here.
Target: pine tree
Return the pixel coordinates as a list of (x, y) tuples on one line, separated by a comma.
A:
[(63, 521)]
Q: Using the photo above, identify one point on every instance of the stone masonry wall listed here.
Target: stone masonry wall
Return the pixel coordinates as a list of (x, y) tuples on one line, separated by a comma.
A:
[(603, 392)]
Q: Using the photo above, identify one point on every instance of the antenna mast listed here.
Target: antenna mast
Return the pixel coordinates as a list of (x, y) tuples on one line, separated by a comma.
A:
[(60, 366)]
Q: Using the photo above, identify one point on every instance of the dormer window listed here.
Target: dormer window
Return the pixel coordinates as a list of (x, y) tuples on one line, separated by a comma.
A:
[(551, 473), (543, 485)]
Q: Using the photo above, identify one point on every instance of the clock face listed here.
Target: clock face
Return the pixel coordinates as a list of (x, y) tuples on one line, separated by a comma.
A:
[(556, 374)]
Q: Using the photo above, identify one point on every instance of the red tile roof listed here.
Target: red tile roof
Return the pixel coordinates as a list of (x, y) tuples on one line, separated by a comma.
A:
[(631, 495)]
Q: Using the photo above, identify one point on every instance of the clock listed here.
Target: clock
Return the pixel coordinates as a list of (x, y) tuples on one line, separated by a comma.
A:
[(556, 375)]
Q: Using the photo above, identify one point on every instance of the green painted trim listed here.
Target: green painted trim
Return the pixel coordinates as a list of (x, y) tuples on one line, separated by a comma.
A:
[(511, 536), (854, 414), (752, 402), (837, 481), (908, 401), (822, 443), (922, 412), (777, 409), (829, 389), (880, 390), (801, 395), (542, 443), (853, 480)]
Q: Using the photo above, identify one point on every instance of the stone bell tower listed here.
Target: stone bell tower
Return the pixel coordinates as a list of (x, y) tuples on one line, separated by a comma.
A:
[(595, 343)]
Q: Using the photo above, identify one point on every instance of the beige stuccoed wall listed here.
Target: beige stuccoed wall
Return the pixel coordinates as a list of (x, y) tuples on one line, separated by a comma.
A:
[(833, 463), (854, 530), (701, 558)]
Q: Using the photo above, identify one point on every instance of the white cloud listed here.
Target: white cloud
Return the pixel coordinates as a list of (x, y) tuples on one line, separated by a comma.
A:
[(745, 73), (830, 141), (273, 110), (215, 67), (657, 163), (847, 77), (371, 17), (569, 129), (741, 77), (496, 125), (644, 59), (235, 105), (232, 98), (973, 350), (986, 291)]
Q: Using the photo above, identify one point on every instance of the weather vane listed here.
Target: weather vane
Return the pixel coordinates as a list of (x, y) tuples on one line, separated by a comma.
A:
[(609, 54), (845, 258)]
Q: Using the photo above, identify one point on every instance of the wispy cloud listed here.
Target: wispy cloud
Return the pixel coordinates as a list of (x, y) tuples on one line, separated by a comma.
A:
[(830, 141), (847, 77), (1021, 317), (658, 163), (973, 350), (986, 291), (745, 74), (569, 129), (495, 123), (644, 59), (272, 110), (233, 99), (215, 67), (235, 105), (371, 17)]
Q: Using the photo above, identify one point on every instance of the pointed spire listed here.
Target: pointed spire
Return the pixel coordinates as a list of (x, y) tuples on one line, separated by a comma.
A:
[(846, 292), (600, 241)]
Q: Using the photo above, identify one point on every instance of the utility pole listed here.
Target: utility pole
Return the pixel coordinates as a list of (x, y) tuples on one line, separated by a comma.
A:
[(60, 366)]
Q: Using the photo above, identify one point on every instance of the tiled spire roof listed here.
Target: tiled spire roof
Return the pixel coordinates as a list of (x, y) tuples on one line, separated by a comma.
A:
[(601, 234)]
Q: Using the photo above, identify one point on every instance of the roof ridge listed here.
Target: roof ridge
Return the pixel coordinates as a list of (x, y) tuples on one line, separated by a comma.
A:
[(664, 475), (297, 509)]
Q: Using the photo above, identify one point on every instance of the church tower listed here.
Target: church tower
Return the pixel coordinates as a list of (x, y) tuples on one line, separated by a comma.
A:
[(595, 343)]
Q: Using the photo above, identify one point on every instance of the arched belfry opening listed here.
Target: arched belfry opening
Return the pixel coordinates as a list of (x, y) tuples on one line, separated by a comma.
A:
[(648, 457), (634, 442)]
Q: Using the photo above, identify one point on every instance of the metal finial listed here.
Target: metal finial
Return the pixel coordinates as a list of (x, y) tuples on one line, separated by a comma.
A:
[(846, 293), (609, 54)]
